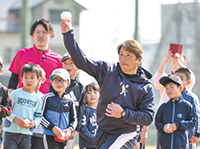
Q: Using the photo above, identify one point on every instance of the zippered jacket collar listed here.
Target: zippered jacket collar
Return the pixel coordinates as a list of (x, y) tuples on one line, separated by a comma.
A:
[(180, 99), (143, 76)]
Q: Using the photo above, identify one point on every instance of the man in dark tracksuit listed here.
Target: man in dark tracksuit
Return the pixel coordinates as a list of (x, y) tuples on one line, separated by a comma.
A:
[(126, 92)]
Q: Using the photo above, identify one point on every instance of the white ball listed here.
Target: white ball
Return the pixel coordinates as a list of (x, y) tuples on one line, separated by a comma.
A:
[(65, 15), (63, 135), (27, 121)]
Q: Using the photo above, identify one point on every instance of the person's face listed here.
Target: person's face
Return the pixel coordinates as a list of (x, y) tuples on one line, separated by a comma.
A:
[(29, 81), (92, 97), (172, 90), (174, 64), (128, 61), (184, 79), (41, 37), (69, 65), (59, 84)]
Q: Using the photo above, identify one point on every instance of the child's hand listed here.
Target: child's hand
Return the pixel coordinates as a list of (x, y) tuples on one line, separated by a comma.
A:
[(31, 123), (172, 127), (57, 131), (169, 128), (73, 135), (194, 139), (20, 121), (166, 126), (67, 133)]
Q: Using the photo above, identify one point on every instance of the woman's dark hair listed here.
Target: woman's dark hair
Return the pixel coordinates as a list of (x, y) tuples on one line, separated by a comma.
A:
[(46, 24)]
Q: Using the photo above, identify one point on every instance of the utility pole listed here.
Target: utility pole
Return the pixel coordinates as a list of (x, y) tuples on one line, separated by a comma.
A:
[(136, 34), (178, 25), (197, 37), (25, 24)]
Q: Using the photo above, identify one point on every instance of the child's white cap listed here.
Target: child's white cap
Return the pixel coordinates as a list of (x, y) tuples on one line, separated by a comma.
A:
[(62, 73), (65, 56)]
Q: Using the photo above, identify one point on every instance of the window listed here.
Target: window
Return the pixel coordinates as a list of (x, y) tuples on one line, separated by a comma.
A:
[(13, 24), (55, 16), (7, 55)]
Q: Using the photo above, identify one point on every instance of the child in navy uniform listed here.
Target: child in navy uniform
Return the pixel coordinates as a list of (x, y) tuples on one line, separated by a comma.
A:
[(176, 117), (89, 125), (185, 76)]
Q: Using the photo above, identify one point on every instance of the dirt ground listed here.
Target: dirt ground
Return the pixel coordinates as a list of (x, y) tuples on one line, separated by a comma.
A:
[(147, 147)]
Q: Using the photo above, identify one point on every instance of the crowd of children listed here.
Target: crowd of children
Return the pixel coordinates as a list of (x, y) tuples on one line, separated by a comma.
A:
[(33, 119), (60, 111)]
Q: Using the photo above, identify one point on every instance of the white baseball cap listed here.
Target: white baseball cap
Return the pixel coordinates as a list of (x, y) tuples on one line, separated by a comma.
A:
[(65, 56), (62, 73)]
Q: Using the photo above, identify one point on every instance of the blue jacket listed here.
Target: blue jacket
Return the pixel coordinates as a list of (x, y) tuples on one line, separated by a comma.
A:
[(88, 129), (58, 112), (134, 94), (180, 112), (77, 89), (193, 99)]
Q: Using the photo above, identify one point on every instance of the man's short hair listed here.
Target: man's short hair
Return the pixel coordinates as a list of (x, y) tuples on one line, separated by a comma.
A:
[(132, 46), (46, 24)]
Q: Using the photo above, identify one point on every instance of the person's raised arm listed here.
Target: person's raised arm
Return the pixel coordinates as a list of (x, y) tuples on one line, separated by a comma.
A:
[(161, 70), (96, 69)]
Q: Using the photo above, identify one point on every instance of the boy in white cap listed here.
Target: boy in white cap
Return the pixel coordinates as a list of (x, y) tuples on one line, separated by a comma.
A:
[(58, 111)]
